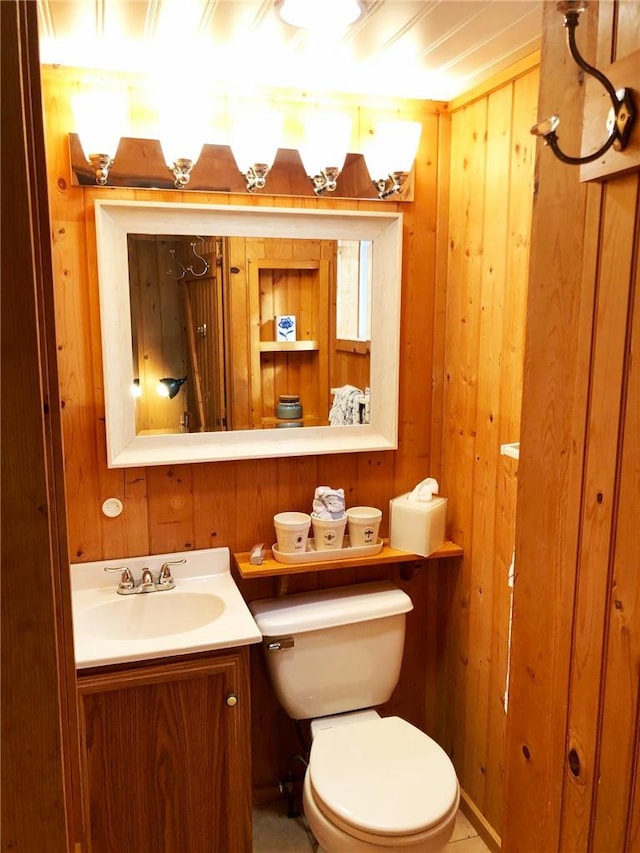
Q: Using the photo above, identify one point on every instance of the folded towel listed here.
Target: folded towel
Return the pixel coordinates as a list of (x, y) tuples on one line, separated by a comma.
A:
[(346, 406), (328, 503)]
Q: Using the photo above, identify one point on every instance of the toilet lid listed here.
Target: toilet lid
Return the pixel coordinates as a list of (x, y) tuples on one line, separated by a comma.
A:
[(383, 776)]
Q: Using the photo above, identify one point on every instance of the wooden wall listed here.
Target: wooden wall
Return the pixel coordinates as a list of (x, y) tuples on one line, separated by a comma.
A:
[(490, 201), (461, 353), (573, 739), (232, 503), (207, 505), (158, 334)]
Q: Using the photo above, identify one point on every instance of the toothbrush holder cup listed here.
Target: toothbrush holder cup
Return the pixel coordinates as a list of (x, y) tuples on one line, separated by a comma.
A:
[(364, 525), (292, 531)]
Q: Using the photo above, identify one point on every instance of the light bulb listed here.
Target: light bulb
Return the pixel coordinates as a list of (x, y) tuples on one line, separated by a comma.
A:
[(326, 143), (393, 148)]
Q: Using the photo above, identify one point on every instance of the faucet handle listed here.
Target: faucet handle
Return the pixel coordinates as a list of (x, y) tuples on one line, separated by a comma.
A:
[(164, 577), (126, 578)]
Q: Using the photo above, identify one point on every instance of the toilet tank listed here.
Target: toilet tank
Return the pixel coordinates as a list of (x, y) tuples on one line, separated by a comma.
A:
[(334, 650)]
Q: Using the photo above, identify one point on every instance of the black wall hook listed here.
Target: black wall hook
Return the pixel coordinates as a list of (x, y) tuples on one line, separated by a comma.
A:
[(622, 114)]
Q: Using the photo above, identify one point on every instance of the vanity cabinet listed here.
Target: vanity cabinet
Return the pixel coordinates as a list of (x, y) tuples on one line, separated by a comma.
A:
[(165, 753)]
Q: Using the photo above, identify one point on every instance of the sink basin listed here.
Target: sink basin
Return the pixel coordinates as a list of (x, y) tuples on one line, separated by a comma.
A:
[(205, 611), (147, 615)]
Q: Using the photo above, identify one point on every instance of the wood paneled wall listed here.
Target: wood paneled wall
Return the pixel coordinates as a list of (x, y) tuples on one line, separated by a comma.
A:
[(461, 356), (573, 739), (207, 505), (230, 503), (158, 333), (490, 202)]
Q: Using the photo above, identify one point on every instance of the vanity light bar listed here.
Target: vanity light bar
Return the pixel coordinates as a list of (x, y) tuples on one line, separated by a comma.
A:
[(140, 163)]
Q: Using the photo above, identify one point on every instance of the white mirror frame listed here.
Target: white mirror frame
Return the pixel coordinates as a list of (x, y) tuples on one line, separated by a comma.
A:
[(116, 219)]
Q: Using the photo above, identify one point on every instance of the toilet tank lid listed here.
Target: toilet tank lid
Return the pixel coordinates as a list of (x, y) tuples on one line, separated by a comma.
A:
[(328, 608)]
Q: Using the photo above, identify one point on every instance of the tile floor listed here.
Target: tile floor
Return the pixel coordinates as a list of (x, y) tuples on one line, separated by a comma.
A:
[(274, 832)]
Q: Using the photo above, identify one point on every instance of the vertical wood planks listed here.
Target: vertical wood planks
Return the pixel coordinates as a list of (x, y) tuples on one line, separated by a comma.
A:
[(376, 477), (490, 202), (598, 508), (40, 766), (549, 478), (450, 363), (485, 577), (170, 501), (576, 625), (466, 223), (239, 306), (617, 818), (417, 327)]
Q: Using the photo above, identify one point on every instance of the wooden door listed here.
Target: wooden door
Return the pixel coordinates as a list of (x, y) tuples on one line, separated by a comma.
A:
[(166, 757), (573, 735), (206, 337), (39, 742)]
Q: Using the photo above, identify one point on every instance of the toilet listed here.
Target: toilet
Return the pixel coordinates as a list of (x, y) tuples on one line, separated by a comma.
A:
[(373, 783)]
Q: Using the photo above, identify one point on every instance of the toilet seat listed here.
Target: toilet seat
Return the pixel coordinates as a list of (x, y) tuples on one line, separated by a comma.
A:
[(382, 779)]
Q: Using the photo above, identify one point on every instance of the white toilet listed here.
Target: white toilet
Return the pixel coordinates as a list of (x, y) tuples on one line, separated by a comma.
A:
[(373, 783)]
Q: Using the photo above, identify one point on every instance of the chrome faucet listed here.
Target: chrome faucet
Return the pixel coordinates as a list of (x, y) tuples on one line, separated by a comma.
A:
[(165, 580), (146, 582), (128, 586)]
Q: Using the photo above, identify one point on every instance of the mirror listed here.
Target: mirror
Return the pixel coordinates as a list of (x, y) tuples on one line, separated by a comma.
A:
[(308, 311), (254, 250)]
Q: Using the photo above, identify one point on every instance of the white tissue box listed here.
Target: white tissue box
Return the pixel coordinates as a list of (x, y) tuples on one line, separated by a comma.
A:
[(417, 526)]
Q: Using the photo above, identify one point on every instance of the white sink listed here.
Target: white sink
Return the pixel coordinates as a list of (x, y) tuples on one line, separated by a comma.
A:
[(204, 611), (142, 617)]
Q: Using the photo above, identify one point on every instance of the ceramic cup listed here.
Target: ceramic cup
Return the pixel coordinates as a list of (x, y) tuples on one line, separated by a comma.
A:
[(292, 531), (364, 524), (328, 533)]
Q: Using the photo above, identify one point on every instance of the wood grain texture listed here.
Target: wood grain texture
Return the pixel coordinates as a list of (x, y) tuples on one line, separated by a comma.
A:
[(40, 778), (617, 816), (270, 567), (231, 503), (80, 363), (572, 739), (551, 444), (447, 327), (289, 277), (490, 204), (599, 505), (165, 760)]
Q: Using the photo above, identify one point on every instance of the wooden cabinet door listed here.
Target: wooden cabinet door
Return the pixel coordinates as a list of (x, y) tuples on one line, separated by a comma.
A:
[(166, 757)]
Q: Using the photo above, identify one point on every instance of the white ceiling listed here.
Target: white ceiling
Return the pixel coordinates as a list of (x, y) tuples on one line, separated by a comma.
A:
[(434, 49)]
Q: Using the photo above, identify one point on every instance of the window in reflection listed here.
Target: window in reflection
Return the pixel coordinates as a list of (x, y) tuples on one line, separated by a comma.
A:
[(353, 304)]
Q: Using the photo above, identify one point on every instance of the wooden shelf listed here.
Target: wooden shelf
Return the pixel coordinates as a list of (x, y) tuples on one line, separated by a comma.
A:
[(272, 568), (308, 420), (292, 346)]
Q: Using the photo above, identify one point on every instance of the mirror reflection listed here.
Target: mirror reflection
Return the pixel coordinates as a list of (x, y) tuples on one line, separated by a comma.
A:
[(245, 333)]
